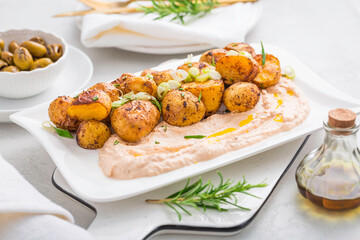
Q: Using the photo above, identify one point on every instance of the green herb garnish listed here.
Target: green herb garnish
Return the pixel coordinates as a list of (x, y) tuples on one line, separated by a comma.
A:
[(179, 8), (76, 96), (124, 77), (95, 98), (165, 128), (149, 76), (181, 89), (263, 54), (199, 195), (182, 95), (190, 65), (234, 45), (194, 136), (200, 96), (156, 103), (156, 142), (63, 133), (116, 142), (213, 62), (116, 85)]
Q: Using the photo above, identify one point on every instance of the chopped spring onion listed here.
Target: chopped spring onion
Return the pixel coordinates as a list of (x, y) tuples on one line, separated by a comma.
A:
[(179, 75), (214, 74), (156, 142), (245, 53), (194, 72), (156, 103), (174, 84), (165, 128), (205, 70), (116, 142), (76, 96), (149, 76), (189, 64), (195, 136), (61, 132), (189, 59), (120, 102), (95, 98), (263, 54), (116, 85), (289, 72), (162, 90), (200, 96), (202, 78), (232, 53), (213, 62), (142, 96)]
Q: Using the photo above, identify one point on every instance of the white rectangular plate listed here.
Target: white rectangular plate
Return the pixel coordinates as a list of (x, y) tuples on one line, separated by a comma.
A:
[(81, 170)]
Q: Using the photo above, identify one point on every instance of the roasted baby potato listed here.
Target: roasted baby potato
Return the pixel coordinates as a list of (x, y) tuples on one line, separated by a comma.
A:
[(129, 83), (158, 76), (90, 105), (135, 120), (198, 65), (211, 93), (241, 97), (212, 56), (182, 108), (59, 116), (241, 47), (92, 134), (235, 69), (270, 73), (109, 88)]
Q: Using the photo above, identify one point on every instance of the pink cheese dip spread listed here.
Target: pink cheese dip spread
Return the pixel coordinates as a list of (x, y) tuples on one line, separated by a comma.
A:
[(280, 108)]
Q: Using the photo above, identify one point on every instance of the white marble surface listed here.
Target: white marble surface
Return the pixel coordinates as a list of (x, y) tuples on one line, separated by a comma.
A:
[(324, 34)]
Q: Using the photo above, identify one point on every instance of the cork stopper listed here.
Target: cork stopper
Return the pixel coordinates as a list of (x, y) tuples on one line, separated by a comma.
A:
[(341, 118)]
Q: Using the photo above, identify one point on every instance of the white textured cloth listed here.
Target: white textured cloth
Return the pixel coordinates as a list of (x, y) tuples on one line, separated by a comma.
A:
[(139, 32), (25, 214)]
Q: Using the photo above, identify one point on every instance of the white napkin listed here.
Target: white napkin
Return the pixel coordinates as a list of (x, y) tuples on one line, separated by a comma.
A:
[(138, 32), (27, 215)]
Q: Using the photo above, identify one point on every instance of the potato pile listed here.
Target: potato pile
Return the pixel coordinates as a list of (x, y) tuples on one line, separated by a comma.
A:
[(129, 105)]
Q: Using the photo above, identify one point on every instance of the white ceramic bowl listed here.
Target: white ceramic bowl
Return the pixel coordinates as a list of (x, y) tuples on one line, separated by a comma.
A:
[(29, 83)]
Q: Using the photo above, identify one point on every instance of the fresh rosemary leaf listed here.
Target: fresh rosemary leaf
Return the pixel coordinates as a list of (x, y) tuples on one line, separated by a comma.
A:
[(207, 196), (179, 9)]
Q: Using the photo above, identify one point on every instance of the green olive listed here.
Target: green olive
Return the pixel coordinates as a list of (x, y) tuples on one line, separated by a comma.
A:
[(36, 49), (41, 63), (3, 64), (2, 44), (8, 57), (10, 69), (22, 58), (38, 40), (13, 46), (54, 51)]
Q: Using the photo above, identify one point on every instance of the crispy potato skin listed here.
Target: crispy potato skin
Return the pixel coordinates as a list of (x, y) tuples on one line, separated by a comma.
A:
[(109, 88), (270, 73), (211, 93), (182, 108), (92, 134), (59, 116), (135, 120), (235, 69), (241, 97), (90, 105), (198, 65), (241, 47), (159, 76), (127, 83), (212, 56)]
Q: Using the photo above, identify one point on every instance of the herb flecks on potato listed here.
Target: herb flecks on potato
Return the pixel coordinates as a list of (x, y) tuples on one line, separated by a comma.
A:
[(135, 120), (213, 56), (211, 93), (241, 47), (109, 88), (59, 116), (270, 73), (90, 105), (128, 83), (92, 134), (182, 108), (241, 97), (159, 76)]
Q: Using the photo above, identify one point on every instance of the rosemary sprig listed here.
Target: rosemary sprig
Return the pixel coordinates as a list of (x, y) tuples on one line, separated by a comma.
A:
[(179, 8), (199, 195)]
